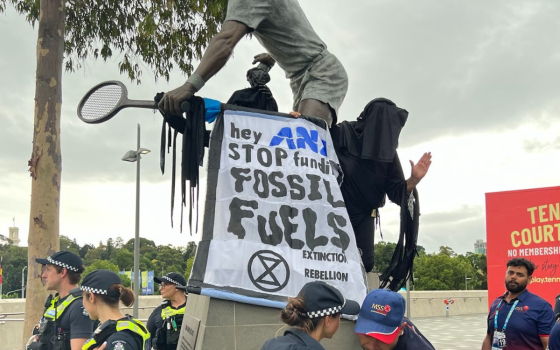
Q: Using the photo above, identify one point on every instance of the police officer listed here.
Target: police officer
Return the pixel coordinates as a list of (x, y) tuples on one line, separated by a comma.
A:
[(165, 321), (65, 325), (314, 315), (102, 290)]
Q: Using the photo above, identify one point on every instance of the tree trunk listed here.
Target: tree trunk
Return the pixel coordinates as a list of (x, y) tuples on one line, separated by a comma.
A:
[(45, 164)]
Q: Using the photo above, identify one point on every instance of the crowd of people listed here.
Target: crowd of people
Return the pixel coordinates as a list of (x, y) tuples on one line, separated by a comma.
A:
[(87, 315)]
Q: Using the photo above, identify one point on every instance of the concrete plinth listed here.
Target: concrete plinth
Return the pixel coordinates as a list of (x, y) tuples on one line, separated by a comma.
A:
[(372, 281), (228, 325)]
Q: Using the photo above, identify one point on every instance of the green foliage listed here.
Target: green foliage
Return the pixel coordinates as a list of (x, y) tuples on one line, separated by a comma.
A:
[(12, 295), (159, 34), (449, 271), (123, 259), (14, 260), (383, 252), (447, 251), (442, 271), (106, 265), (167, 259), (69, 245), (190, 263)]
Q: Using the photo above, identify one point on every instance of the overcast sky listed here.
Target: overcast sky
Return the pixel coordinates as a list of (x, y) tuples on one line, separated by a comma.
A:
[(479, 79)]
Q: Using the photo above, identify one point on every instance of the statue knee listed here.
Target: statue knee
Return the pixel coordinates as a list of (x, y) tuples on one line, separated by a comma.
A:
[(315, 108)]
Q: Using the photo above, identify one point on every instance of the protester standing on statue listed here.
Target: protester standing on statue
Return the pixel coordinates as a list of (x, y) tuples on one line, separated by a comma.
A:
[(164, 324), (314, 314), (367, 153), (381, 324), (65, 320), (317, 78), (102, 290), (519, 319)]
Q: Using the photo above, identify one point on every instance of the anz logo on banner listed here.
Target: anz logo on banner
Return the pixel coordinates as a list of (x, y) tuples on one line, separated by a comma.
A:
[(305, 138)]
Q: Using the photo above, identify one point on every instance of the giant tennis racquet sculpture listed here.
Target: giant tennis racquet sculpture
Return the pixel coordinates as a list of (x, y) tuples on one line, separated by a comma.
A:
[(106, 99)]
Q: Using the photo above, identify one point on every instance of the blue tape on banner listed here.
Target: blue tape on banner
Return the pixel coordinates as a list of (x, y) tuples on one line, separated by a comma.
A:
[(212, 108), (225, 295)]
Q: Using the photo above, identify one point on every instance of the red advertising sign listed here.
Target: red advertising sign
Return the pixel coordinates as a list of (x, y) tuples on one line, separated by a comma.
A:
[(524, 224)]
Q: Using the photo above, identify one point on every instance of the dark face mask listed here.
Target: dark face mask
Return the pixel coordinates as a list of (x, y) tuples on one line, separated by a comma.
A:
[(378, 129)]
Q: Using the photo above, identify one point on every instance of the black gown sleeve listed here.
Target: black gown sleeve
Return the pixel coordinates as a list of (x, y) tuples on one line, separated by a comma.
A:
[(396, 183)]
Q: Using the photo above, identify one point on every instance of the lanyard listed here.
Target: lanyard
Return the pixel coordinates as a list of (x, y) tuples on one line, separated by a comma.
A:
[(507, 318)]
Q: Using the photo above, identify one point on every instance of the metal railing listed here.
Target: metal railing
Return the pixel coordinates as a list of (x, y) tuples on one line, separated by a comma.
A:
[(4, 315)]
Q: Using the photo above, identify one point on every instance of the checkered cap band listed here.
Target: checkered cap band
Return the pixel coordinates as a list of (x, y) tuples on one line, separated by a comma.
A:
[(171, 280), (93, 290), (61, 264), (326, 312)]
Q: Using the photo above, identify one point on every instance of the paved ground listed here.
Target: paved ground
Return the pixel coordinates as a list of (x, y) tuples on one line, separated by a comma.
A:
[(453, 332)]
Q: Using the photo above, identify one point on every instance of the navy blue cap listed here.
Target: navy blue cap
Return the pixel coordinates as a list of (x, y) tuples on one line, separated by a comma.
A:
[(322, 299), (172, 277), (381, 315), (100, 282), (65, 259)]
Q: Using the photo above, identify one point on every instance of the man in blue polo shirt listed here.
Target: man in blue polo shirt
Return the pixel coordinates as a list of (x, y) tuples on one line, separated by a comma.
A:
[(381, 324), (519, 319)]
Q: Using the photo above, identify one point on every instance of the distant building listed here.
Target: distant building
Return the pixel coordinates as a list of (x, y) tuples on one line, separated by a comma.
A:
[(480, 247)]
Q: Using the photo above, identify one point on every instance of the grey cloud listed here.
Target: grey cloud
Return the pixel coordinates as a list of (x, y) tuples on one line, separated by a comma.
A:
[(536, 146), (456, 66)]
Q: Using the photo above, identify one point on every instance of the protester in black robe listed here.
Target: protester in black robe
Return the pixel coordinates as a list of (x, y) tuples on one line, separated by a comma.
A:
[(367, 153)]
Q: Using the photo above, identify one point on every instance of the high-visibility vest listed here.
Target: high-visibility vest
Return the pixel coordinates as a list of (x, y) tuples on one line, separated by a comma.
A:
[(129, 324)]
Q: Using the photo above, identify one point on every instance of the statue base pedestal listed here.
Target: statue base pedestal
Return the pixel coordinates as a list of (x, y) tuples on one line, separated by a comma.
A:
[(216, 324), (372, 281)]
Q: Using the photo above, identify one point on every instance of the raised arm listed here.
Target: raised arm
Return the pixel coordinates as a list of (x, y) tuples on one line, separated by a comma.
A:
[(215, 57), (419, 170)]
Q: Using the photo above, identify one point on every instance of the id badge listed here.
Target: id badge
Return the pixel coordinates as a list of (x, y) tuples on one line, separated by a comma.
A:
[(499, 340)]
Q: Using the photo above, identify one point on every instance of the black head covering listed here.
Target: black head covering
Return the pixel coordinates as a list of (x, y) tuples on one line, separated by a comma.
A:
[(65, 259), (99, 282), (375, 135)]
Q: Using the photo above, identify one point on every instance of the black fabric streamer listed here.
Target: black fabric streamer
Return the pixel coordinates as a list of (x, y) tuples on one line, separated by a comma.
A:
[(195, 137), (400, 269)]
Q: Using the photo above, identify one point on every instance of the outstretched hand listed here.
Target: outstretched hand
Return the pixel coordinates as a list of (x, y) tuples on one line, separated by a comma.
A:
[(420, 169), (171, 101), (264, 58)]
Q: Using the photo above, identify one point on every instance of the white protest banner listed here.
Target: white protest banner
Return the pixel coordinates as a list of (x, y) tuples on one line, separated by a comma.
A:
[(274, 217)]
